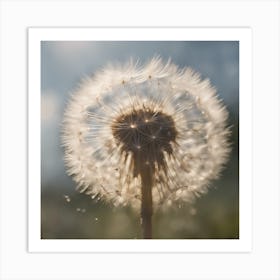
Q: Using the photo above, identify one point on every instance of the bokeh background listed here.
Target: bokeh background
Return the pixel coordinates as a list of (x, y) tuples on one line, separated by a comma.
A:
[(66, 213)]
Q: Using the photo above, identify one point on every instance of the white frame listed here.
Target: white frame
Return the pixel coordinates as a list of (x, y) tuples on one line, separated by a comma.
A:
[(243, 35), (262, 16)]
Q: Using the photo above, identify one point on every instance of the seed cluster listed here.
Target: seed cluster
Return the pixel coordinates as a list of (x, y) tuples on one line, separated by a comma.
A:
[(154, 125), (147, 134)]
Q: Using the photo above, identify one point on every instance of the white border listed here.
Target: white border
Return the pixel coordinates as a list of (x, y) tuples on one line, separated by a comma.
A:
[(263, 16), (243, 35)]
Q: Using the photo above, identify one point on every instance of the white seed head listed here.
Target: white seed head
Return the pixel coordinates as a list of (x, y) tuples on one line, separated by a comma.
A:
[(164, 117)]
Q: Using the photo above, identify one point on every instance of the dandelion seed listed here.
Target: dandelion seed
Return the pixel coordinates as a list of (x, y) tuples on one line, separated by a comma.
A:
[(67, 198), (153, 141)]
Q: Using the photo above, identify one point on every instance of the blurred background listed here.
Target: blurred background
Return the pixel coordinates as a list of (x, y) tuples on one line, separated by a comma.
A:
[(66, 213)]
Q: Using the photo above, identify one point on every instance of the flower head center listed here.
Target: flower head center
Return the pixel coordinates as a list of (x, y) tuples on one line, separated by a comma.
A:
[(145, 133)]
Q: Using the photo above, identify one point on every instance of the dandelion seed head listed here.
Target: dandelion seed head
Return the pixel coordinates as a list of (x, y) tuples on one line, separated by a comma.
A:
[(157, 115)]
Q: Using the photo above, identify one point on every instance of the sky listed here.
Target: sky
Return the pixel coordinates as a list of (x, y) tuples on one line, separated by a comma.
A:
[(64, 64)]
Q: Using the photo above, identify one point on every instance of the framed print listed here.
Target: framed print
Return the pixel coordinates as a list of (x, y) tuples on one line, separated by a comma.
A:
[(103, 101), (140, 133)]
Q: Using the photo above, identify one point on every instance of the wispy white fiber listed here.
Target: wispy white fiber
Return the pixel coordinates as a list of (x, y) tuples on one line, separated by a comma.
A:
[(93, 157)]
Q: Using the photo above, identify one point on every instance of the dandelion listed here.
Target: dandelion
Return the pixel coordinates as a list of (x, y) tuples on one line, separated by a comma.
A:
[(146, 136)]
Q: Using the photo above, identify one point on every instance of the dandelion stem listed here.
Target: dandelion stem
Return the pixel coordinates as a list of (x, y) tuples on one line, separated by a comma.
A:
[(146, 202)]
